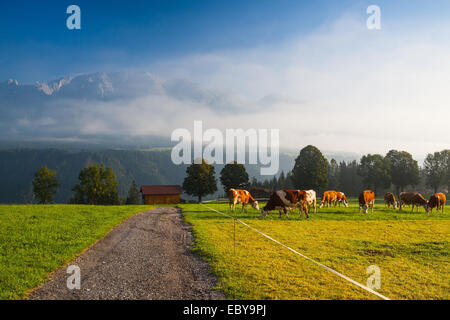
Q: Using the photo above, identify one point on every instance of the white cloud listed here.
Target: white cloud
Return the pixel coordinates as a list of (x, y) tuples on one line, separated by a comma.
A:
[(341, 88)]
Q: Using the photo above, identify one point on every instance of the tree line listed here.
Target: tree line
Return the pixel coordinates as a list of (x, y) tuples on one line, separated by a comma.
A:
[(396, 171), (18, 166), (97, 185)]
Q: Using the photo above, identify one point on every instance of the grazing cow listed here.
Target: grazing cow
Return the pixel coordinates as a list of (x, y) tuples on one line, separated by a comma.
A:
[(283, 200), (309, 199), (389, 199), (236, 196), (366, 200), (340, 196), (328, 197), (436, 200), (414, 199)]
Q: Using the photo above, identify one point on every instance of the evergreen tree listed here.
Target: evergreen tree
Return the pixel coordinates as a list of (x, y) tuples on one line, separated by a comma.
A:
[(333, 175), (349, 181), (446, 168), (133, 194), (434, 168), (200, 180), (289, 181), (274, 183), (45, 184), (254, 182), (281, 184)]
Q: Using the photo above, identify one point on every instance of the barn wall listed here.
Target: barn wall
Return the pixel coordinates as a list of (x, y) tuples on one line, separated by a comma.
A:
[(162, 199)]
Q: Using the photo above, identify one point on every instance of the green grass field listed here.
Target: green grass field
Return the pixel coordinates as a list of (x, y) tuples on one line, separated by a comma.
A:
[(35, 240), (411, 249)]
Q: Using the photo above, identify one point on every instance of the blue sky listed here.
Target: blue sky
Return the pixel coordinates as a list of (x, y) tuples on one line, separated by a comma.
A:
[(36, 46)]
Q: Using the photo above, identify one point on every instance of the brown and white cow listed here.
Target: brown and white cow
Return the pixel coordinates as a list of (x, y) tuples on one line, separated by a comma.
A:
[(328, 197), (389, 199), (236, 196), (437, 201), (366, 200), (340, 197), (283, 200), (309, 199), (414, 199)]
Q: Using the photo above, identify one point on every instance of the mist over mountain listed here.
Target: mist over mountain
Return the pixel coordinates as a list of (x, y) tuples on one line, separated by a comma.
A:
[(103, 107), (121, 119)]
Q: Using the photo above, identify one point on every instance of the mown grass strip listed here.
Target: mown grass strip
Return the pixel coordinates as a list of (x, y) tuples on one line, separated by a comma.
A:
[(37, 239)]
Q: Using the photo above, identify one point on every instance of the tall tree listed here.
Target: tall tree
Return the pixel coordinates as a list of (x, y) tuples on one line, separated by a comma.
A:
[(310, 169), (200, 180), (254, 182), (434, 170), (97, 186), (349, 181), (374, 170), (403, 169), (333, 175), (234, 175), (281, 184), (446, 168), (289, 181), (45, 184), (133, 194)]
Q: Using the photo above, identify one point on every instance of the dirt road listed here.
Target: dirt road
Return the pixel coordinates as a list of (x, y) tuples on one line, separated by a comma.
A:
[(146, 257)]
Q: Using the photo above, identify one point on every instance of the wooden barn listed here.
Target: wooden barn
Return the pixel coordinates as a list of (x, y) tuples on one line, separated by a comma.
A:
[(161, 194)]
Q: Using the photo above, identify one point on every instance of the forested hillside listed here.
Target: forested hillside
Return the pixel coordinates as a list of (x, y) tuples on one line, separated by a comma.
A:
[(17, 168)]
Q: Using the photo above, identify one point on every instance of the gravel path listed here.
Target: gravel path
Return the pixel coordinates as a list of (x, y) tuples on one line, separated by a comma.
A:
[(146, 257)]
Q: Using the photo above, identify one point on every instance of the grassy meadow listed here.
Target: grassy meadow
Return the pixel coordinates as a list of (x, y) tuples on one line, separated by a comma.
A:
[(37, 239), (411, 249)]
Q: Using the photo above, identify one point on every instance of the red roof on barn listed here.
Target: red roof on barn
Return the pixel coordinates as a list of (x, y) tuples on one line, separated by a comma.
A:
[(152, 190)]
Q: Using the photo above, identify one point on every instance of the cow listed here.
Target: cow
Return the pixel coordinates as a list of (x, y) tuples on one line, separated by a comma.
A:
[(236, 196), (414, 199), (366, 200), (284, 200), (389, 199), (340, 197), (309, 199), (328, 197), (436, 200)]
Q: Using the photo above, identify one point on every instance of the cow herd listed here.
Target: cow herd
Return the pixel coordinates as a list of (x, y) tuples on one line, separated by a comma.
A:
[(285, 201), (415, 199)]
